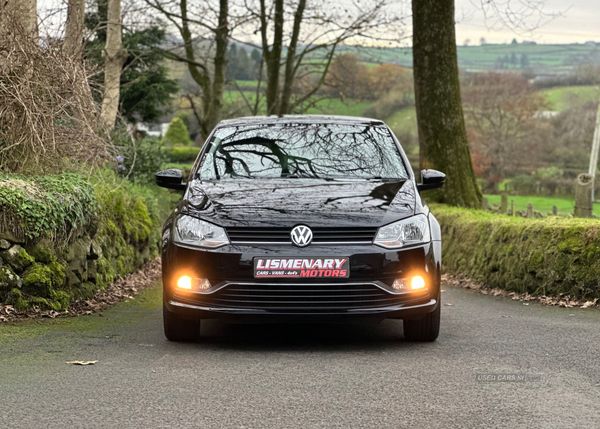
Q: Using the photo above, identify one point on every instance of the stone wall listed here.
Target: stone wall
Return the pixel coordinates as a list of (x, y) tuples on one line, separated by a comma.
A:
[(116, 232), (35, 273)]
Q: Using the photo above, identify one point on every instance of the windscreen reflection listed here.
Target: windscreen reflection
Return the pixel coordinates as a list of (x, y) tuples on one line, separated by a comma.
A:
[(325, 151)]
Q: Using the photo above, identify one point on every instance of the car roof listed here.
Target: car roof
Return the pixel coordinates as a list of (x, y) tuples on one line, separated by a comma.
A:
[(299, 119)]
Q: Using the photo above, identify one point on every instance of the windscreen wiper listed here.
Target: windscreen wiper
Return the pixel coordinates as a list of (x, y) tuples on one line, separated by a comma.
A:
[(387, 179)]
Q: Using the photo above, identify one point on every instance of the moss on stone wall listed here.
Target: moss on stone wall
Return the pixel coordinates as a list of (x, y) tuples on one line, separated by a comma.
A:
[(548, 256), (116, 230)]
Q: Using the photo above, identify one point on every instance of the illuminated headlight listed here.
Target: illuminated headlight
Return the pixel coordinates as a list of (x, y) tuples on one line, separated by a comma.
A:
[(196, 232), (407, 232)]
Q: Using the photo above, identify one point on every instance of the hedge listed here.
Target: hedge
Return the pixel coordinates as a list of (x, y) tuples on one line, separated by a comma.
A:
[(549, 256), (181, 154)]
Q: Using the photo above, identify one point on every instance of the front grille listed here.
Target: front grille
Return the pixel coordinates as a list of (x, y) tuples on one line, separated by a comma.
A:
[(321, 235), (290, 298)]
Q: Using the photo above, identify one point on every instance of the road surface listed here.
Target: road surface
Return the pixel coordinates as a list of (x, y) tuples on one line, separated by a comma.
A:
[(308, 376)]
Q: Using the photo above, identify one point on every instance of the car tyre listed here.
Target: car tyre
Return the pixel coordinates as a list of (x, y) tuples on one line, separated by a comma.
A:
[(178, 328), (425, 329)]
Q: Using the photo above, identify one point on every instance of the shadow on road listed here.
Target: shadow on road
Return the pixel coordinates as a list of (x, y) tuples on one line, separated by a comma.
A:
[(282, 337)]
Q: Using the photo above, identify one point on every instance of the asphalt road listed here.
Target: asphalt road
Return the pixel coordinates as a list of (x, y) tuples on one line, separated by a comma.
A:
[(309, 376)]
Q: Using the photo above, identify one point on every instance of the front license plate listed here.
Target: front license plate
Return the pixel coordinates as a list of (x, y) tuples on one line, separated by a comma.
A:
[(302, 267)]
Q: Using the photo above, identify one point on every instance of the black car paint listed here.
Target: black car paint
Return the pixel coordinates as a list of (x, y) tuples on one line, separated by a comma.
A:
[(289, 202)]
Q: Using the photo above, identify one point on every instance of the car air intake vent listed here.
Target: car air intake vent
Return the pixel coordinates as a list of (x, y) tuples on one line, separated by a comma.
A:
[(298, 297), (321, 235)]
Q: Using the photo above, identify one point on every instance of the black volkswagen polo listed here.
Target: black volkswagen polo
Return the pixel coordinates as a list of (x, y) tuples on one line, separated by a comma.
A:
[(301, 218)]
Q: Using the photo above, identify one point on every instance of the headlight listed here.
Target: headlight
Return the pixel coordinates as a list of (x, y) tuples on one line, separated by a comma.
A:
[(196, 232), (414, 230)]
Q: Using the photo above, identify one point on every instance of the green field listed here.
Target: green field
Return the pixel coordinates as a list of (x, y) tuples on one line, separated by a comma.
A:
[(404, 121), (540, 203), (552, 59), (235, 100), (562, 98)]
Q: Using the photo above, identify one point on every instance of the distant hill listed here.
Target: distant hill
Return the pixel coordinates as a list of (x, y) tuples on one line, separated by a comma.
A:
[(542, 59)]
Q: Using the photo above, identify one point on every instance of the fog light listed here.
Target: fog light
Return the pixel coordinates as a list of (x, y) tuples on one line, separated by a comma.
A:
[(184, 283), (417, 282), (408, 284), (188, 283)]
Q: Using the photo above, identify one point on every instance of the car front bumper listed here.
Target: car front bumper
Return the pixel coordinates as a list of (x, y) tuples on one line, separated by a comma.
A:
[(367, 294)]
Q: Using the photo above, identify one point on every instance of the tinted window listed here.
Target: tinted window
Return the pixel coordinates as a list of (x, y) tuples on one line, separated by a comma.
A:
[(302, 150)]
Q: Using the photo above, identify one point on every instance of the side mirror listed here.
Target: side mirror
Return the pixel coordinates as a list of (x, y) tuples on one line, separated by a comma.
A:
[(171, 178), (431, 179)]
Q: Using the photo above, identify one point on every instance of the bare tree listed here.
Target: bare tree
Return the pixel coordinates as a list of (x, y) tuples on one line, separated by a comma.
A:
[(500, 110), (306, 51), (74, 31), (114, 57), (206, 54), (47, 111)]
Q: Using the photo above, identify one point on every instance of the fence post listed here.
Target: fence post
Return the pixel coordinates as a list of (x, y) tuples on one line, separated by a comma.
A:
[(504, 204), (583, 195), (555, 210), (530, 210), (512, 207), (484, 204)]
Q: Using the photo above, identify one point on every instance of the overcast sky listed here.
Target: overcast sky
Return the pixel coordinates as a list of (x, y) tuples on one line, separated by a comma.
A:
[(579, 22)]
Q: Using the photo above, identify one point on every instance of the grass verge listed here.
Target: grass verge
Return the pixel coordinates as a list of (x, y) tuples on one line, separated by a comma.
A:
[(122, 314)]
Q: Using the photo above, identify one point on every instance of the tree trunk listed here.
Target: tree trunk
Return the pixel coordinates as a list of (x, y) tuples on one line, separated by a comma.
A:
[(273, 55), (290, 64), (73, 44), (212, 90), (215, 104), (114, 58), (24, 12), (442, 133)]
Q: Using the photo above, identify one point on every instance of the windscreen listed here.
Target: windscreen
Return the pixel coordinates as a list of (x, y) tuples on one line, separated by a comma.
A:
[(303, 151)]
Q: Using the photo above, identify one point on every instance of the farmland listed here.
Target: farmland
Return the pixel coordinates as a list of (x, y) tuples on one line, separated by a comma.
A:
[(540, 203), (544, 59), (562, 98)]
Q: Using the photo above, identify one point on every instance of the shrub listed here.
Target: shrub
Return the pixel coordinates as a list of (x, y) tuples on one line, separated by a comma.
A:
[(177, 134), (388, 103), (138, 159), (548, 256), (545, 181), (181, 154), (48, 112)]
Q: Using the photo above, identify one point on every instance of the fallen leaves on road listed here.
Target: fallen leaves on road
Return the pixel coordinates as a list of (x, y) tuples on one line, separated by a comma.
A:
[(122, 289), (561, 300), (82, 362)]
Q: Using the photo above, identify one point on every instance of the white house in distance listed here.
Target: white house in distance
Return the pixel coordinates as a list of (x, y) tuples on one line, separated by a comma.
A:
[(154, 130)]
